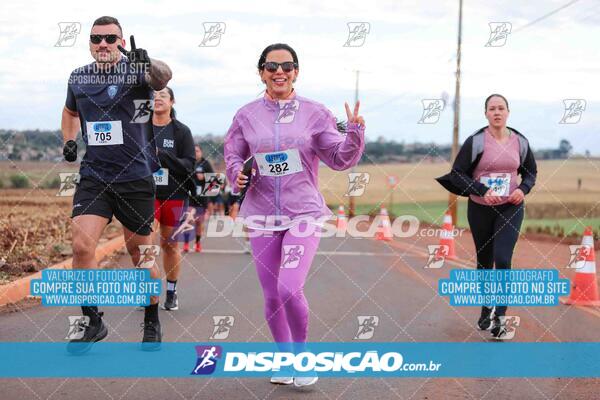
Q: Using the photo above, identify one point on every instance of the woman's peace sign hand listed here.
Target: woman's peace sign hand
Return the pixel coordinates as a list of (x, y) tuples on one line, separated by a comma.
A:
[(354, 117)]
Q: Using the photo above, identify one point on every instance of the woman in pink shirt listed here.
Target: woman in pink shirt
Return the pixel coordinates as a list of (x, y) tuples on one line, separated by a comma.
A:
[(486, 170), (287, 135)]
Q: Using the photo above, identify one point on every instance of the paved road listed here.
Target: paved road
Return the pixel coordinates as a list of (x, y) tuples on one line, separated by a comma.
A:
[(349, 278)]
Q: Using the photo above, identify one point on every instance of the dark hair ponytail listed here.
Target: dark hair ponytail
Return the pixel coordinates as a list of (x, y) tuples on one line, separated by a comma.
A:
[(173, 113), (495, 95)]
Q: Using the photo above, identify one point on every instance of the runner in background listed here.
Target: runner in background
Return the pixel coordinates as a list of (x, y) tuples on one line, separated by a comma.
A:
[(233, 202), (198, 204), (217, 203), (486, 170), (233, 207), (176, 154)]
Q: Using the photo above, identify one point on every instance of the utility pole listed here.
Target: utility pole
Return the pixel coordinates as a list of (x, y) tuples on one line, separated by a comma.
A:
[(351, 198), (452, 198)]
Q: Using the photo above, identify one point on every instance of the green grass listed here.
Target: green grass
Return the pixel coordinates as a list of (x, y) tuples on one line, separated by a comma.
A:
[(433, 212), (568, 225), (430, 212)]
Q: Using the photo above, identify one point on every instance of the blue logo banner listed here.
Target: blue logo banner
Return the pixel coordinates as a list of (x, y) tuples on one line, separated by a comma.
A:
[(249, 360)]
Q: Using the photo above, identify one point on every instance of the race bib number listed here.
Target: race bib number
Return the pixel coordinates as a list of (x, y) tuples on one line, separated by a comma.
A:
[(104, 133), (161, 177), (499, 183), (279, 163)]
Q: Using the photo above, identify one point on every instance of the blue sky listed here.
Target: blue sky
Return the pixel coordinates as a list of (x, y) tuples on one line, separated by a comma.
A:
[(408, 55)]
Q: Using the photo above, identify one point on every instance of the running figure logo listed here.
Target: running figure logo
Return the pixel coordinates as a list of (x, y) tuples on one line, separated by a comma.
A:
[(432, 109), (579, 254), (357, 183), (148, 254), (212, 184), (143, 110), (437, 255), (287, 111), (68, 180), (68, 34), (357, 33), (574, 108), (499, 32), (509, 327), (212, 34), (187, 223), (222, 326), (366, 326), (207, 359), (292, 253), (77, 325)]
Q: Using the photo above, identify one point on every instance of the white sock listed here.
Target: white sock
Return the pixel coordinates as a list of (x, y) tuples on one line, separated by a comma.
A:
[(171, 286)]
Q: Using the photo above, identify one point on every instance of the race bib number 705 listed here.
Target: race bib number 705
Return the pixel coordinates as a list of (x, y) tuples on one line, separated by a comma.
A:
[(104, 133)]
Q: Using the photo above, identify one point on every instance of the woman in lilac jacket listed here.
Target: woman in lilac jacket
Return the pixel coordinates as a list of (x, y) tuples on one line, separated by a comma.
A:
[(287, 135)]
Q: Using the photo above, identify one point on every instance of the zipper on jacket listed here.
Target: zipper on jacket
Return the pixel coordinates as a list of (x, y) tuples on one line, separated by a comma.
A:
[(277, 180)]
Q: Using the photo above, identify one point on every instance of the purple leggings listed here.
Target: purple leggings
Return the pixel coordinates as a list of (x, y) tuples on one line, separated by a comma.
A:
[(282, 263)]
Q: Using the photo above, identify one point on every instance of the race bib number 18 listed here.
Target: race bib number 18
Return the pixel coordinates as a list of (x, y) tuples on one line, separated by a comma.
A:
[(499, 183), (161, 177), (279, 163), (104, 133)]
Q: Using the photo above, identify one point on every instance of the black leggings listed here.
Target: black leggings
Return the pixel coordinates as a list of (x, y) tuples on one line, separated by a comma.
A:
[(495, 232)]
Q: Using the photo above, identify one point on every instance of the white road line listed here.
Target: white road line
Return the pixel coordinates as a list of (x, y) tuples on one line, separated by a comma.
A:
[(322, 253)]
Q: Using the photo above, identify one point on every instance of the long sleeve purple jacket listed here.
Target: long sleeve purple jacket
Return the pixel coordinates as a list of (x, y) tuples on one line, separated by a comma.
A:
[(266, 125)]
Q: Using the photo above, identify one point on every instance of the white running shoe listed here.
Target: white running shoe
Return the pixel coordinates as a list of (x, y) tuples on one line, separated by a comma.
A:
[(305, 380), (282, 380)]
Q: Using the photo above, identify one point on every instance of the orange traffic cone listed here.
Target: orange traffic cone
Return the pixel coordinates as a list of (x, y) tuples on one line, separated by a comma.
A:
[(447, 237), (342, 222), (584, 288), (384, 228)]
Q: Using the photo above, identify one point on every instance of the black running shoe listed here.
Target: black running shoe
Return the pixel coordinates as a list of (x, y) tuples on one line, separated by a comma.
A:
[(171, 302), (94, 332), (500, 334), (152, 335), (485, 320), (498, 328)]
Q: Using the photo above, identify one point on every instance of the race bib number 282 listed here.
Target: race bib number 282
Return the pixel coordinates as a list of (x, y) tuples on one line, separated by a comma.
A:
[(279, 163), (104, 133)]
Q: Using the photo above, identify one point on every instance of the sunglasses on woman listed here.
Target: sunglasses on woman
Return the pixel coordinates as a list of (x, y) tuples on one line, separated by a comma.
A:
[(110, 39), (287, 66)]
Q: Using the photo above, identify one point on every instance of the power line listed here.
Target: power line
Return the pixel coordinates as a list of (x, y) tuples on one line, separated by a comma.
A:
[(543, 17)]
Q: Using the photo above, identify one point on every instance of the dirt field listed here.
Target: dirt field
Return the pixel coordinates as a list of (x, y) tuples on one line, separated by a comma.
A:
[(556, 183), (34, 222), (35, 231)]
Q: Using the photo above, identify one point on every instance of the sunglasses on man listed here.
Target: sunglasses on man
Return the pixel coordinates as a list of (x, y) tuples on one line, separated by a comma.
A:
[(287, 66), (110, 39)]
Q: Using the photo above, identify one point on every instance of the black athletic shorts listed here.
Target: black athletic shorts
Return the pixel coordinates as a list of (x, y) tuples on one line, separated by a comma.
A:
[(132, 203)]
